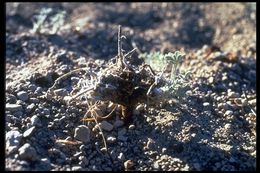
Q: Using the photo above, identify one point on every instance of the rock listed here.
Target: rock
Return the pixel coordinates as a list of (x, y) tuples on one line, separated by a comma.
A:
[(121, 157), (13, 139), (22, 95), (111, 139), (150, 144), (32, 87), (156, 165), (227, 126), (82, 133), (13, 107), (30, 107), (61, 92), (45, 164), (205, 104), (27, 152), (128, 164), (76, 168), (118, 123), (229, 112), (131, 127), (29, 132), (232, 94), (211, 80), (164, 150), (122, 138), (34, 100), (11, 98), (18, 114), (106, 126), (186, 168), (35, 121), (38, 90), (84, 160)]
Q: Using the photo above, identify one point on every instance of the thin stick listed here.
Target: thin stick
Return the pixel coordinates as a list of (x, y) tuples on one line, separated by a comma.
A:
[(64, 76), (104, 140), (82, 92), (130, 53), (100, 117), (119, 42)]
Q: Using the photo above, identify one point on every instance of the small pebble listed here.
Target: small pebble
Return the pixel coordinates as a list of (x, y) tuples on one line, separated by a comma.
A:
[(111, 139), (205, 104), (227, 126), (22, 95), (13, 107), (34, 100), (164, 150), (18, 114), (121, 156), (106, 126), (76, 168), (32, 87), (229, 112), (211, 80), (61, 92), (13, 139), (128, 164), (38, 90), (27, 152), (118, 123), (45, 164), (131, 127), (30, 107), (29, 132), (35, 121), (156, 165), (82, 133), (122, 138)]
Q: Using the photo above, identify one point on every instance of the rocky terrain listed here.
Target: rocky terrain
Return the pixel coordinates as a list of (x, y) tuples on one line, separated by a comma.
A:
[(212, 128)]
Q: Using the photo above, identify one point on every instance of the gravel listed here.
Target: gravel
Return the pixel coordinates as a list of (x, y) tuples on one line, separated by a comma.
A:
[(211, 127), (13, 139)]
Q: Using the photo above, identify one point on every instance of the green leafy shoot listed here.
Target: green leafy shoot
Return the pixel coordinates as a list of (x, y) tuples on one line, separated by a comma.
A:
[(175, 85)]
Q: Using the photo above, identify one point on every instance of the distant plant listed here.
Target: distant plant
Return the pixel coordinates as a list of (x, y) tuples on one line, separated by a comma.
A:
[(48, 21), (175, 85)]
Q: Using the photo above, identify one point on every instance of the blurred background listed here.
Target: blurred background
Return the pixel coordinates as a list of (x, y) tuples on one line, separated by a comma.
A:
[(90, 29)]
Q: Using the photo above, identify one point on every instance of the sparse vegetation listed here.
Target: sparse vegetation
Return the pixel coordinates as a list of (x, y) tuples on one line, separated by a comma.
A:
[(48, 21), (174, 86)]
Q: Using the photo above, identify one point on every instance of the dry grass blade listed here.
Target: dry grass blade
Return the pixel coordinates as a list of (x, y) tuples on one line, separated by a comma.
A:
[(94, 117)]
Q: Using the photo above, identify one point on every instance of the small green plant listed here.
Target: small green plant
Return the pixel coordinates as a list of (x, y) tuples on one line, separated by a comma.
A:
[(48, 21), (175, 85)]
